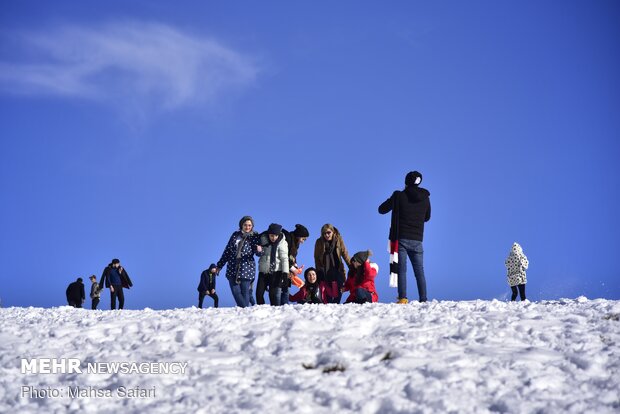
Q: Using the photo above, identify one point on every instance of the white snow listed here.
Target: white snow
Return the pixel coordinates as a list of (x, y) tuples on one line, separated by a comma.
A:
[(475, 356)]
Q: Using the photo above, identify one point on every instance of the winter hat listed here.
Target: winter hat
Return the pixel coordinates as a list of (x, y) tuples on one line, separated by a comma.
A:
[(115, 261), (244, 219), (361, 257), (414, 178), (274, 228), (301, 231), (79, 279), (212, 266)]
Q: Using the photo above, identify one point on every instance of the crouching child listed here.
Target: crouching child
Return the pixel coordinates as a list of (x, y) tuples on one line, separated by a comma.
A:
[(206, 287)]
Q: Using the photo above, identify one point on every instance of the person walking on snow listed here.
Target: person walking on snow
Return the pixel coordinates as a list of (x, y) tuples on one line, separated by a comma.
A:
[(294, 239), (116, 278), (75, 293), (410, 208), (238, 256), (516, 265), (95, 292), (273, 265)]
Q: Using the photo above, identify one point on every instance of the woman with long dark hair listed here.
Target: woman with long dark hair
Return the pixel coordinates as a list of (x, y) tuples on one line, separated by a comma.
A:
[(330, 255)]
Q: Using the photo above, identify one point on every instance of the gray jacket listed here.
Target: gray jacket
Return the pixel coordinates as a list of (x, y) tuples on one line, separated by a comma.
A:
[(95, 292)]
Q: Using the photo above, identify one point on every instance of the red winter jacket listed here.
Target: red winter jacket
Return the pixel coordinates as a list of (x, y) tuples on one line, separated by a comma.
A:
[(328, 290), (368, 281)]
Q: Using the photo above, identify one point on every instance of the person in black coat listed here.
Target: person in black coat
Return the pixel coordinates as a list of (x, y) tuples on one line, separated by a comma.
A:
[(206, 287), (410, 208), (75, 293), (116, 278)]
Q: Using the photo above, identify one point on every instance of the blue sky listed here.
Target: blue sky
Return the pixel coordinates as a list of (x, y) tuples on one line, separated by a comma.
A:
[(145, 130)]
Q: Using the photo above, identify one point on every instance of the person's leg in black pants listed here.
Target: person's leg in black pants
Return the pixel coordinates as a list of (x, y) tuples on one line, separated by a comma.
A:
[(514, 293), (261, 285), (522, 291), (215, 300), (121, 297), (94, 303), (201, 298)]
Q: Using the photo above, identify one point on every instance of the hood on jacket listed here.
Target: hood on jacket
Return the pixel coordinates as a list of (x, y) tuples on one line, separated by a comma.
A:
[(415, 194), (516, 249)]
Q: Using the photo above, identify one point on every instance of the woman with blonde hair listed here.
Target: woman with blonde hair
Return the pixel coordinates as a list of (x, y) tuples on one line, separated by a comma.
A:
[(330, 254)]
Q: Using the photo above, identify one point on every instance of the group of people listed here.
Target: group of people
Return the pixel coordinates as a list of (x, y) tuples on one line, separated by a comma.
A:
[(277, 248), (326, 282), (114, 277)]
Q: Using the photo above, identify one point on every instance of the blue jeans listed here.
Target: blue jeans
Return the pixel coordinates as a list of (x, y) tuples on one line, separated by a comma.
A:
[(362, 296), (241, 292), (415, 251), (252, 302), (284, 295)]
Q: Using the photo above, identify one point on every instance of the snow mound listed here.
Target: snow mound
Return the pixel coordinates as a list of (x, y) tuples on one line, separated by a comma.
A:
[(476, 356)]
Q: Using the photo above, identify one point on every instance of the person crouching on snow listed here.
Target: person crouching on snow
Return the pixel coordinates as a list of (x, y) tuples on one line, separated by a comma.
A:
[(206, 287), (314, 291), (361, 279), (516, 265), (273, 264)]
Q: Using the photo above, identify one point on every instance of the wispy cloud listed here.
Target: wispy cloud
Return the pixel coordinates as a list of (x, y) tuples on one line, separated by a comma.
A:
[(137, 63)]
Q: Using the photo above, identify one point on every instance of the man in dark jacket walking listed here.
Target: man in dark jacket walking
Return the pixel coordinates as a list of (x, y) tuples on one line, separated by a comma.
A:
[(206, 287), (410, 208), (75, 293), (116, 278)]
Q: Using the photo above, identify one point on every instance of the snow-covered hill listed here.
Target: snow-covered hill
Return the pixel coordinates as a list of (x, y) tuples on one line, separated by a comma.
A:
[(480, 356)]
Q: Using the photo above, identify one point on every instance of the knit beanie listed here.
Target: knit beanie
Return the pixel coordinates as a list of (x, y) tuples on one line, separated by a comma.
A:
[(301, 231), (244, 219), (414, 178), (361, 257), (274, 228)]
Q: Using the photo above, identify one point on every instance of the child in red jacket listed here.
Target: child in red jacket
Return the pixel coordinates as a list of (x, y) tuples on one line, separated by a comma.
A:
[(314, 291), (361, 279)]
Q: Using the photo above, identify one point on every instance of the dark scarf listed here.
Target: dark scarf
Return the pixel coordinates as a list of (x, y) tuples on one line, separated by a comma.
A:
[(244, 237), (313, 293), (330, 250), (274, 252)]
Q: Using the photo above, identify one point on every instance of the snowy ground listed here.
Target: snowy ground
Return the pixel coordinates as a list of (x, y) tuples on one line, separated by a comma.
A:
[(480, 356)]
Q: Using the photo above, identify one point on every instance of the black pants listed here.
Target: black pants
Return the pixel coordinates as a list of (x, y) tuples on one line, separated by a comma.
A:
[(201, 298), (75, 304), (521, 292), (94, 303), (261, 286), (118, 292)]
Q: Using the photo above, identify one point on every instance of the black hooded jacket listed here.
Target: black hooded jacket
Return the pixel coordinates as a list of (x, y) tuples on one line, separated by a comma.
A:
[(414, 209), (75, 292)]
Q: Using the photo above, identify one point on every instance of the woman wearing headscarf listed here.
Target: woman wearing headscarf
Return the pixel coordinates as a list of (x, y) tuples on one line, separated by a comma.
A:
[(239, 258)]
